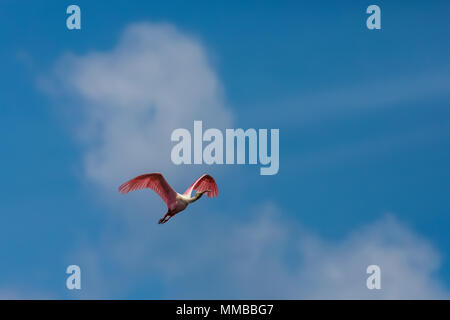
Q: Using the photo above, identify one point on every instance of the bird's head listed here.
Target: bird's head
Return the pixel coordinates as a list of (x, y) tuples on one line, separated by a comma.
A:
[(205, 191)]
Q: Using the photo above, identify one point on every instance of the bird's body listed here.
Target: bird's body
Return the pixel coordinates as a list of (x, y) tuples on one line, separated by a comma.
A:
[(175, 202)]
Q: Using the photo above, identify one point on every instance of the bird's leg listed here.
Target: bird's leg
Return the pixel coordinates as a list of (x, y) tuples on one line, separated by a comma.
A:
[(164, 219)]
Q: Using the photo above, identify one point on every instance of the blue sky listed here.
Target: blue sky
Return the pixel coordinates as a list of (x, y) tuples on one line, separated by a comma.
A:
[(364, 137)]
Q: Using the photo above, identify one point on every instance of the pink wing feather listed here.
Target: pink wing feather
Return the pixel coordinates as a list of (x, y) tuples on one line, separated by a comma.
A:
[(154, 181), (205, 182)]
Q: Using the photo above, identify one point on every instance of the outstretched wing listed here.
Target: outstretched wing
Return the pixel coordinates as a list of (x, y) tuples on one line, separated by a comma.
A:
[(204, 183), (154, 181)]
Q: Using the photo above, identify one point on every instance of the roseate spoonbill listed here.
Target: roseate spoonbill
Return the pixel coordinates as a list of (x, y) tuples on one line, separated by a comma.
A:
[(175, 202)]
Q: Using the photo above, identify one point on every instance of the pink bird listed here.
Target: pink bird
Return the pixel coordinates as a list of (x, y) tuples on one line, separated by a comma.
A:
[(175, 202)]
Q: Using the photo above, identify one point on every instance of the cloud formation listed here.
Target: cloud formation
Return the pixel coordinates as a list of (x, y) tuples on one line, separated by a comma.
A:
[(268, 257), (265, 256), (153, 81)]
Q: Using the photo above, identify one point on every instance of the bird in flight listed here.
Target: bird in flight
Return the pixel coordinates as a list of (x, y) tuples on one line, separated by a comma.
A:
[(175, 202)]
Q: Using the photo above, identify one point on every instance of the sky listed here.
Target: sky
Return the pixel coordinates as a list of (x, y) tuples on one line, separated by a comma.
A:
[(364, 122)]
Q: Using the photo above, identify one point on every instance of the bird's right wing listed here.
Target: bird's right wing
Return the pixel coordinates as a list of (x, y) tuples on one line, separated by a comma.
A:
[(204, 183), (154, 181)]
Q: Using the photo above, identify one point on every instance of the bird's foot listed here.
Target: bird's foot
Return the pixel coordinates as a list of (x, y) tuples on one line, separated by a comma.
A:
[(163, 220)]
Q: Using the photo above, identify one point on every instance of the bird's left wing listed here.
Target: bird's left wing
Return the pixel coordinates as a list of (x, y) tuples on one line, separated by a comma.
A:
[(154, 181), (204, 183)]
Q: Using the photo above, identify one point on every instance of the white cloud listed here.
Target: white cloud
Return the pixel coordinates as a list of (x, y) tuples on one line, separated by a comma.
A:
[(268, 257), (337, 270), (265, 256), (155, 80)]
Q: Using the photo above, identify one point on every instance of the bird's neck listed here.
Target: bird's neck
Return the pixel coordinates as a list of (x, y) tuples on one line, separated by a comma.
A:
[(195, 198)]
